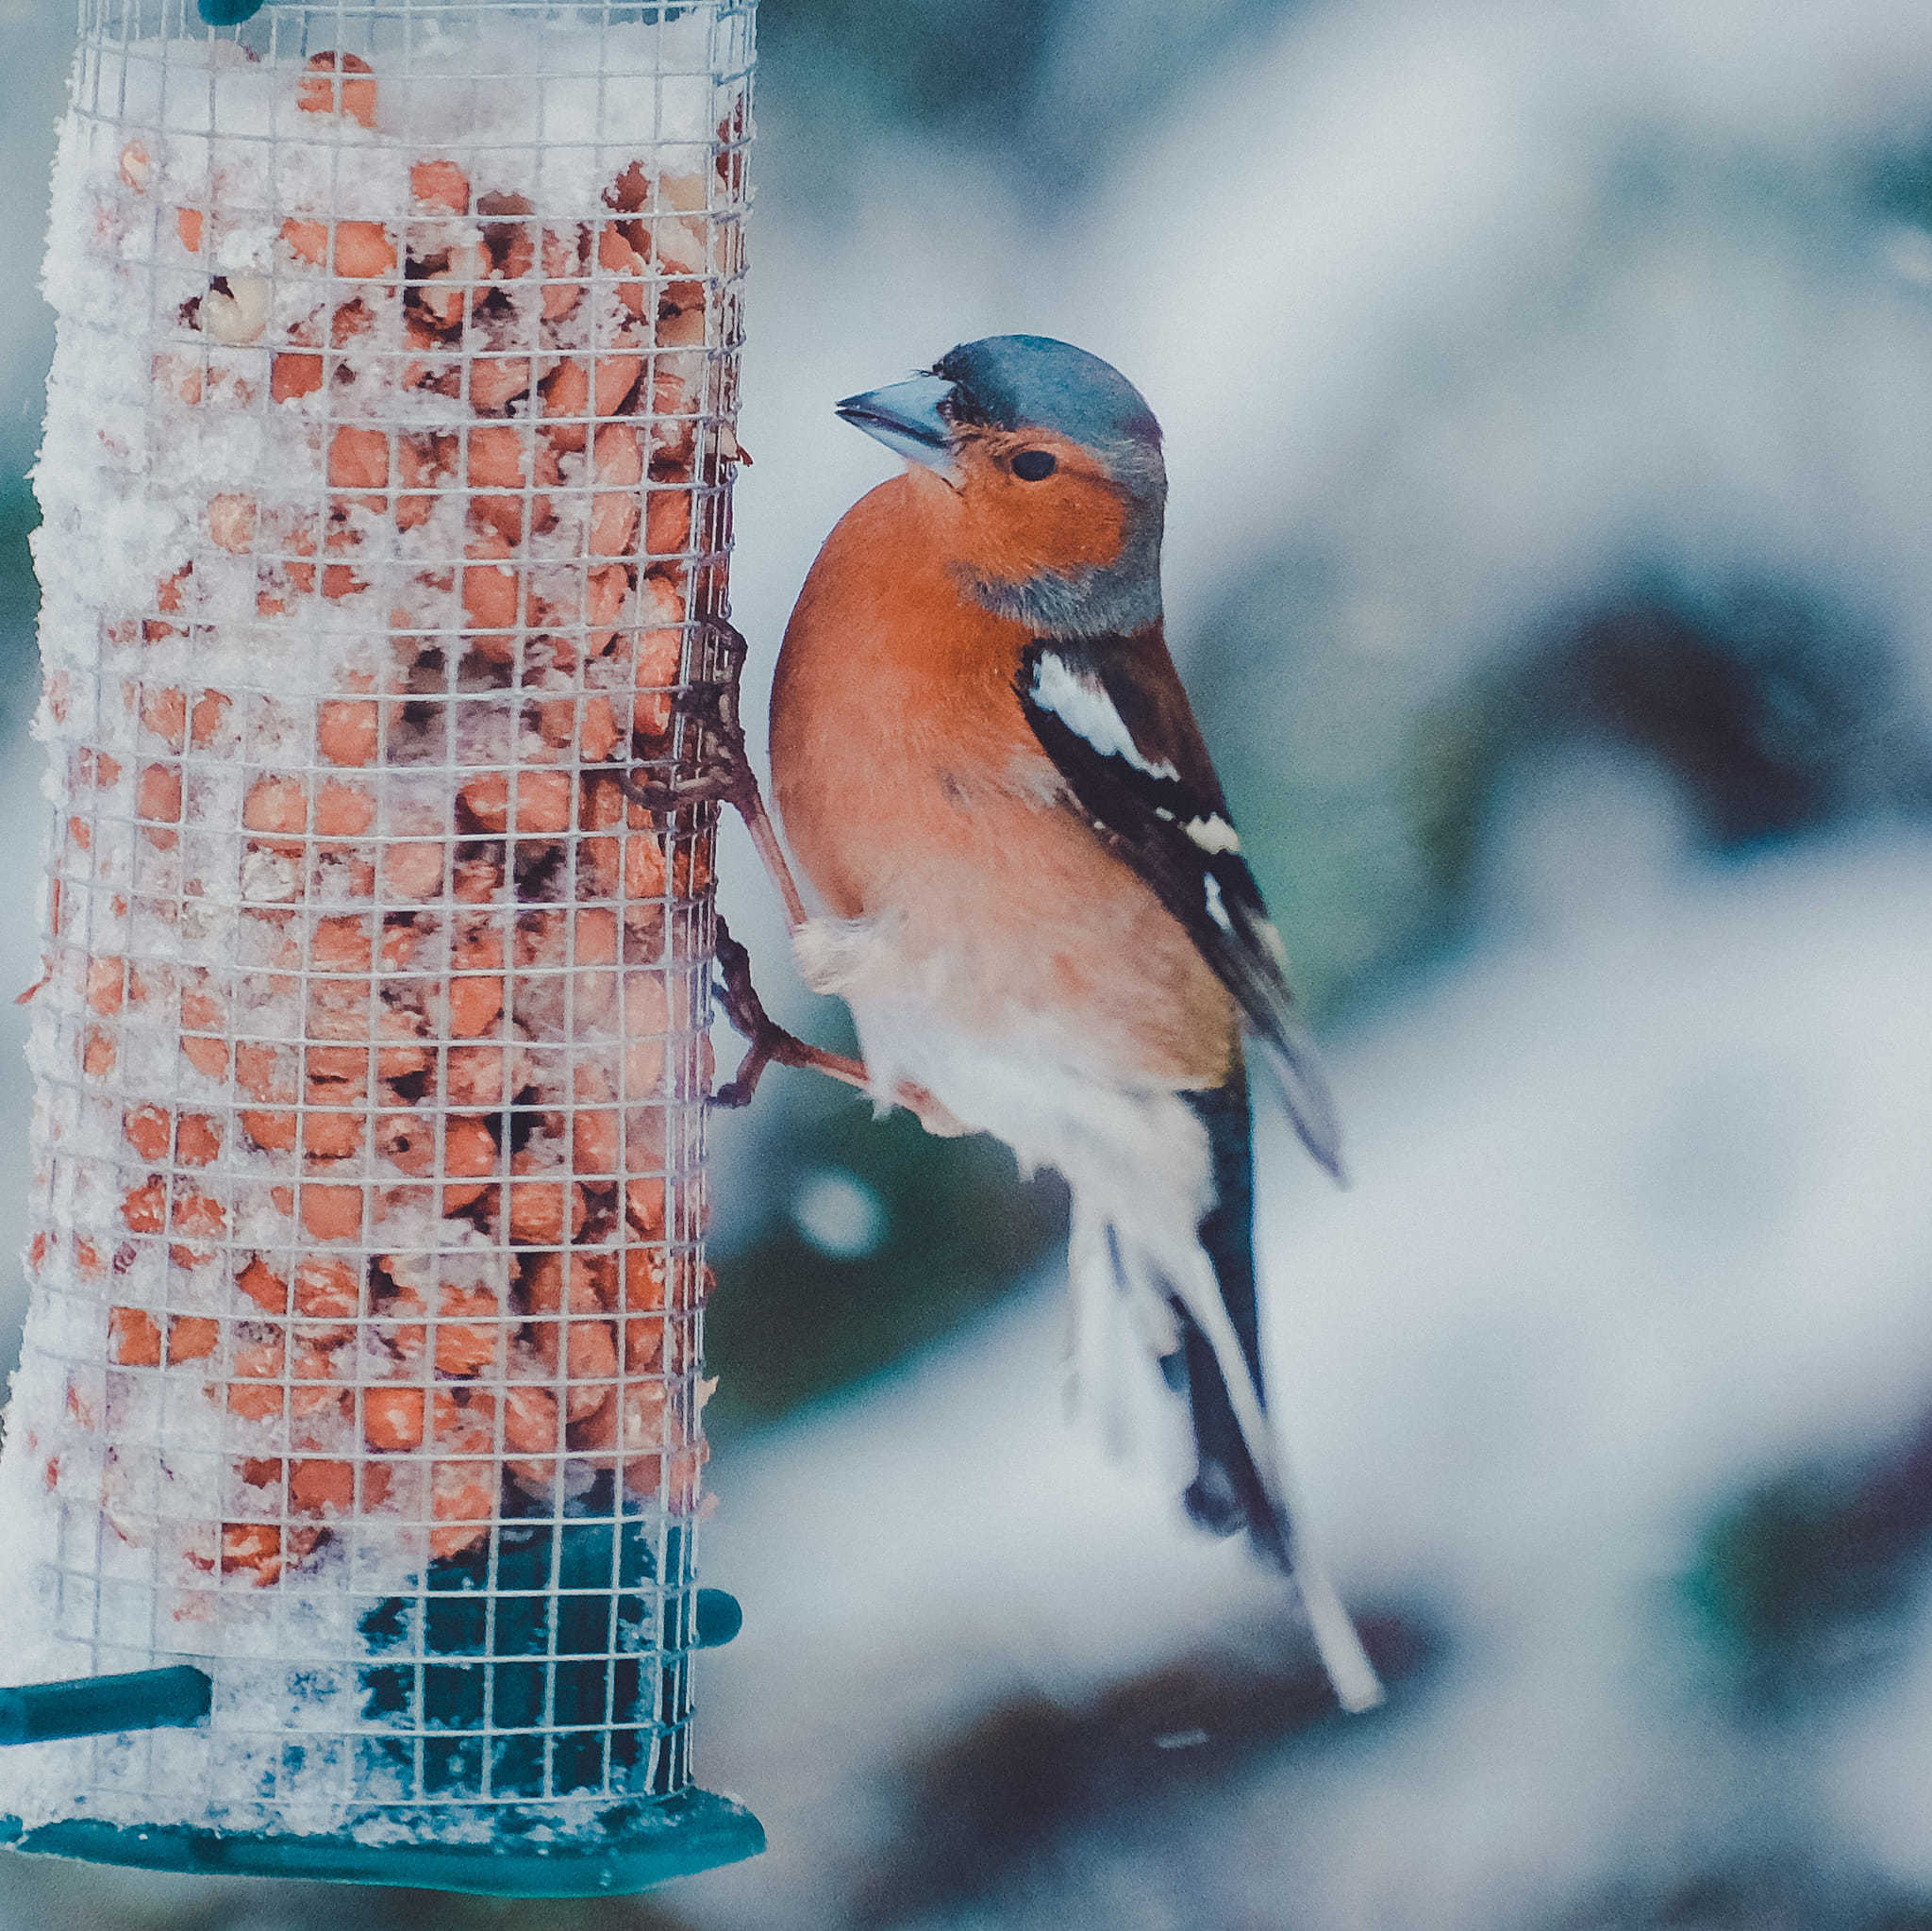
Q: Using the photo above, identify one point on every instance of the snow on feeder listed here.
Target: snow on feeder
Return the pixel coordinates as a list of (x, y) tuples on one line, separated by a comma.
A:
[(352, 1466)]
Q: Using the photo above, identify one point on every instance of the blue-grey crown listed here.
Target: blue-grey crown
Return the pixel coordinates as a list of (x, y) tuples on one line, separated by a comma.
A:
[(1032, 381)]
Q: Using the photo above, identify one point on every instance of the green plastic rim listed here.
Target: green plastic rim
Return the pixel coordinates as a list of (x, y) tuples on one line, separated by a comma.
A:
[(641, 1844)]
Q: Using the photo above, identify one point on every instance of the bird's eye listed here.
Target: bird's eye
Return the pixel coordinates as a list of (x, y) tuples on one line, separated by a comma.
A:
[(1032, 465)]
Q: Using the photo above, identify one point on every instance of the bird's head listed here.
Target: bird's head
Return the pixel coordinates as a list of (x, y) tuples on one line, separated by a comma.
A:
[(1040, 466)]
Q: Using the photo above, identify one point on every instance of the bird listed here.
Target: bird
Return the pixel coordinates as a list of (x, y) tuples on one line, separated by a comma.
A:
[(1036, 903)]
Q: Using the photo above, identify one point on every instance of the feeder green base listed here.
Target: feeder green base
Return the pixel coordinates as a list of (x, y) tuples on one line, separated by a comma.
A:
[(643, 1844)]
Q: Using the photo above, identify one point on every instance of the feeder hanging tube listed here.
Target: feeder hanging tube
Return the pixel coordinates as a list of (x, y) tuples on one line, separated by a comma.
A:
[(353, 1468)]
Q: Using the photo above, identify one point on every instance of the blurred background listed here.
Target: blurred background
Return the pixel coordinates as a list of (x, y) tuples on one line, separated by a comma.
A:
[(1548, 394)]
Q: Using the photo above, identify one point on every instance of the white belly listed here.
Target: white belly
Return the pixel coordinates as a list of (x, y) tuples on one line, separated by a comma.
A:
[(1135, 1156)]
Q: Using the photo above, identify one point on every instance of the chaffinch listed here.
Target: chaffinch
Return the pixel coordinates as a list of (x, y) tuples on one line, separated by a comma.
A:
[(1038, 910)]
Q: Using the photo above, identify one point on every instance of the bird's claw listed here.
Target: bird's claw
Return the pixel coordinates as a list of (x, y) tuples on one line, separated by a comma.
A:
[(719, 771), (769, 1041), (747, 1014)]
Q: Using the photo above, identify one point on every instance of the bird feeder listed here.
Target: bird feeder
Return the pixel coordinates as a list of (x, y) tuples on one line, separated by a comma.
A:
[(353, 1465)]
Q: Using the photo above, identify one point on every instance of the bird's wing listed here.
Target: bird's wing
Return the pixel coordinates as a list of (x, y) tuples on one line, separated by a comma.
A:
[(1111, 714)]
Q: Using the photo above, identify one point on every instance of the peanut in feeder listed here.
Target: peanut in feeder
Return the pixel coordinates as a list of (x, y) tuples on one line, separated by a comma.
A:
[(386, 495)]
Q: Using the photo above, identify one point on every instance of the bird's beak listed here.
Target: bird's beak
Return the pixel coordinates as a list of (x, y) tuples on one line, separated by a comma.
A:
[(906, 418)]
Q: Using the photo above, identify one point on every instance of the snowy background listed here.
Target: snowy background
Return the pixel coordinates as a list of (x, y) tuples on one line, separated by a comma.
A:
[(1548, 392)]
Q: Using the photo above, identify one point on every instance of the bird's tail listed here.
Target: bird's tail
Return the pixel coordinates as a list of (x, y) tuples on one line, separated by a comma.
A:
[(1242, 1480)]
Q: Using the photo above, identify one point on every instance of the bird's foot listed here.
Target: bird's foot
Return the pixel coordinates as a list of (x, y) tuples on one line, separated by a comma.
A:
[(770, 1044), (769, 1041), (718, 770)]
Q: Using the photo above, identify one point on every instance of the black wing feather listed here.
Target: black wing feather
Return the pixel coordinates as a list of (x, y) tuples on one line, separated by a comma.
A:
[(1142, 805)]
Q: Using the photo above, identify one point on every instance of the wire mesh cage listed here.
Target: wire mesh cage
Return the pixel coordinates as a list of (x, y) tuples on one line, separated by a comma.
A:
[(386, 488)]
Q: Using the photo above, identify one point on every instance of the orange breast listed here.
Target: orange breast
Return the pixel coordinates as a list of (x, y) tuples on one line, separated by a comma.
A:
[(911, 787)]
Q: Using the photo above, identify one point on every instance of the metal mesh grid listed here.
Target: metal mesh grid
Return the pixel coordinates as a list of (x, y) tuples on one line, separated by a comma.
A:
[(387, 493)]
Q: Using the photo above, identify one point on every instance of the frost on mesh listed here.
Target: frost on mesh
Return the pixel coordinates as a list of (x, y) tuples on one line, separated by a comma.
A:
[(384, 481)]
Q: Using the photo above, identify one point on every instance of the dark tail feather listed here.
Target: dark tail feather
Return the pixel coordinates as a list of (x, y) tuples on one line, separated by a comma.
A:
[(1228, 1494)]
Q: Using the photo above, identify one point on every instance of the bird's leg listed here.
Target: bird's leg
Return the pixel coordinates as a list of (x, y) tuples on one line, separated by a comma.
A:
[(770, 1042), (722, 771)]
